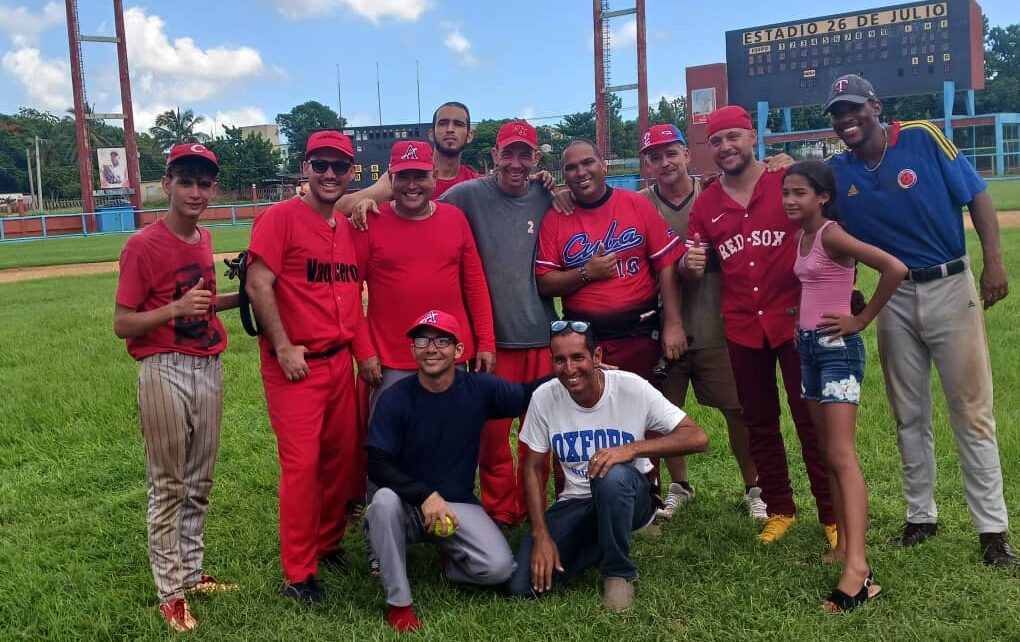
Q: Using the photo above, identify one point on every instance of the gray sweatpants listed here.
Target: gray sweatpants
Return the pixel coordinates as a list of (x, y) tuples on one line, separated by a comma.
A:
[(477, 553), (180, 401), (942, 321)]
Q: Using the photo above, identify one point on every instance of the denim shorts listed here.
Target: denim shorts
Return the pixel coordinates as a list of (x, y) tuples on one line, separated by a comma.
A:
[(831, 369)]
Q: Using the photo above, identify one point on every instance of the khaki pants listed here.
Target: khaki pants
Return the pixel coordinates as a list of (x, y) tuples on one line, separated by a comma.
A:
[(942, 321)]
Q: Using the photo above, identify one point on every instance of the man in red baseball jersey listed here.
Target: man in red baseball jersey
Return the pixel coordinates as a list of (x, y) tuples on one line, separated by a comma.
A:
[(610, 261), (403, 279), (305, 286), (741, 217)]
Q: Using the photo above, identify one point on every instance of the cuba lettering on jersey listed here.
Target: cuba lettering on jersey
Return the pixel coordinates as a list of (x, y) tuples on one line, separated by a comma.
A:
[(331, 272), (579, 249)]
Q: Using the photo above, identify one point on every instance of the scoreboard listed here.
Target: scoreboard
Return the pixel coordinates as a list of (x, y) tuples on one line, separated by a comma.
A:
[(372, 146), (903, 49)]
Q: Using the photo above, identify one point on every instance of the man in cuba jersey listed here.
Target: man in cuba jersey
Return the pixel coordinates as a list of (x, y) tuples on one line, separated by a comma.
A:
[(594, 421)]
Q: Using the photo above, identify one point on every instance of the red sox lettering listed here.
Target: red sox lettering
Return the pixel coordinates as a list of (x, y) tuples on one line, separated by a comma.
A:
[(759, 238)]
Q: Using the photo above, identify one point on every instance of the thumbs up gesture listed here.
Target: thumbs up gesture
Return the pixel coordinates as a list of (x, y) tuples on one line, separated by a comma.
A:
[(195, 301), (696, 258)]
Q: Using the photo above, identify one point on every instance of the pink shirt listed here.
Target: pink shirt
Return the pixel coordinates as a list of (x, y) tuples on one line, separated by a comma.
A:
[(825, 285)]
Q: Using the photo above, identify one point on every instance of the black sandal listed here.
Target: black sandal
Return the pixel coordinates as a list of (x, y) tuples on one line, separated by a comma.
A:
[(843, 602)]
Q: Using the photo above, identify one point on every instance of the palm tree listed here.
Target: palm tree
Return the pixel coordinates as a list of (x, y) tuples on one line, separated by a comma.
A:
[(175, 126)]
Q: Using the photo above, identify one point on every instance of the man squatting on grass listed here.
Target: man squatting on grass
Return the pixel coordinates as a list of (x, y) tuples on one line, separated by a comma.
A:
[(595, 422), (304, 286), (423, 445), (166, 309)]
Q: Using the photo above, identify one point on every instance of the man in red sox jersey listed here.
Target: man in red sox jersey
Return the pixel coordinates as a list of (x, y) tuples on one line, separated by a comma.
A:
[(741, 217), (304, 284), (604, 259)]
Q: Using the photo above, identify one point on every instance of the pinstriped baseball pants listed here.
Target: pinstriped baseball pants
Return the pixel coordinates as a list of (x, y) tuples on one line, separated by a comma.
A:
[(180, 401)]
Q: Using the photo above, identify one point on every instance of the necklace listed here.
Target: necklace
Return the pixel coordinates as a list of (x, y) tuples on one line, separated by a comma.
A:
[(885, 148), (418, 217)]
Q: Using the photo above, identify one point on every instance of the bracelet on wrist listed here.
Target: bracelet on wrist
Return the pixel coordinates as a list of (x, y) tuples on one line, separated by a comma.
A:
[(584, 275)]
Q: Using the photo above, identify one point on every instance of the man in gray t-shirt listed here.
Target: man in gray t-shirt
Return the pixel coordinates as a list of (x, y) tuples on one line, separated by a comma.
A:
[(505, 213)]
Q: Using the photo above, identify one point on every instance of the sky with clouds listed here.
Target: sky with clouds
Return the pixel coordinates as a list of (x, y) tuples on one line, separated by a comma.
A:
[(241, 62)]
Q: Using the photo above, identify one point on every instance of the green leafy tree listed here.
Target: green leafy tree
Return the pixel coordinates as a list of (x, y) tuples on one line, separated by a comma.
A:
[(299, 123), (174, 127), (244, 159)]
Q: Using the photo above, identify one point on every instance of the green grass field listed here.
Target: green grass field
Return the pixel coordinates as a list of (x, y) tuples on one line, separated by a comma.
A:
[(1005, 194), (72, 518)]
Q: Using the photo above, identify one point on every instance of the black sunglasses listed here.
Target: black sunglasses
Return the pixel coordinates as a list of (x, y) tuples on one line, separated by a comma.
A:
[(556, 327), (320, 166), (439, 342)]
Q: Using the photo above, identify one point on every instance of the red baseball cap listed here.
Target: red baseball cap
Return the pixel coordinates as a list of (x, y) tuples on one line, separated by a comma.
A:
[(411, 154), (329, 139), (731, 117), (439, 320), (517, 131), (661, 135), (191, 149)]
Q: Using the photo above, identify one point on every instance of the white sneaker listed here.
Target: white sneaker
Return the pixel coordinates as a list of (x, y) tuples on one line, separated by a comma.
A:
[(677, 495), (756, 506)]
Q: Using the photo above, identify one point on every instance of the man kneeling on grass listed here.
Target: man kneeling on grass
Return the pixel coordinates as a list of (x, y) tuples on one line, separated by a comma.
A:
[(166, 309), (423, 445), (595, 421)]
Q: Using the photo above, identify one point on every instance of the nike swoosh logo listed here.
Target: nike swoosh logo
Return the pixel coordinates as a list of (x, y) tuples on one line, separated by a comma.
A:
[(719, 217)]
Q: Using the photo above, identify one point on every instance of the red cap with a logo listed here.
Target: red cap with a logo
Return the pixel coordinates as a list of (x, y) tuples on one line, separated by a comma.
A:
[(439, 320), (661, 135), (410, 154), (517, 131), (191, 149), (329, 139)]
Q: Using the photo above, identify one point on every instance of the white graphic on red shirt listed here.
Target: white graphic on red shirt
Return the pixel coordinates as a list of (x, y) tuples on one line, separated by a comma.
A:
[(759, 238)]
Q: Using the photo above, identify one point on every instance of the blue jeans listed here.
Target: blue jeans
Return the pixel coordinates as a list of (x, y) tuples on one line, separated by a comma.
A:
[(593, 530), (832, 369)]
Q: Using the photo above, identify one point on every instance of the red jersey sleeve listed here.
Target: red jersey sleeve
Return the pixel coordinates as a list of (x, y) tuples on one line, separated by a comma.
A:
[(133, 284), (664, 246), (476, 289), (548, 258), (268, 238)]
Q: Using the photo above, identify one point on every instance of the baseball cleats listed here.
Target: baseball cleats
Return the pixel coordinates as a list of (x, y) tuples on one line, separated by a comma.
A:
[(307, 591), (678, 494), (177, 613), (832, 534), (756, 506), (209, 584), (402, 619), (996, 551)]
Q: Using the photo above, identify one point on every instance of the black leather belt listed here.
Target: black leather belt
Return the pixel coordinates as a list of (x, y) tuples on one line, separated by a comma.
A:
[(325, 354), (920, 275)]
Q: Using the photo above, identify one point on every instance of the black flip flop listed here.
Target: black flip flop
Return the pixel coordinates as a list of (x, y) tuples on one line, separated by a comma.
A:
[(844, 602)]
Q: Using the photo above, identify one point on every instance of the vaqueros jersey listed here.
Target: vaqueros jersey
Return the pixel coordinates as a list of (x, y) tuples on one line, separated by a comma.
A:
[(756, 246), (911, 205), (505, 228), (629, 406), (623, 222), (436, 436), (157, 268), (318, 287), (413, 266), (443, 184)]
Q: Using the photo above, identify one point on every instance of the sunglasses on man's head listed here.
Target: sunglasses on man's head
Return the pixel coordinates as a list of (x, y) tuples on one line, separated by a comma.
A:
[(580, 327), (320, 166), (439, 342)]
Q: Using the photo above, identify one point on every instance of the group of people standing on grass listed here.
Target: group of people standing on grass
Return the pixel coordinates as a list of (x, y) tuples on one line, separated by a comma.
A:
[(680, 285)]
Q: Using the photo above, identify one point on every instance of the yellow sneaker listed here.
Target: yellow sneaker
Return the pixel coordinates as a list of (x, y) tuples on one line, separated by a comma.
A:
[(832, 535), (775, 527)]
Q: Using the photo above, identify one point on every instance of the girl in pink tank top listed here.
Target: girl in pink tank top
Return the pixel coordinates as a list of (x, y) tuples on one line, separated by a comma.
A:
[(832, 358)]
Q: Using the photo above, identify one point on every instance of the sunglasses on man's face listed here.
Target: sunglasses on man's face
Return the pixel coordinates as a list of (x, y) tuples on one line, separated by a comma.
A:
[(580, 327), (439, 342), (320, 166)]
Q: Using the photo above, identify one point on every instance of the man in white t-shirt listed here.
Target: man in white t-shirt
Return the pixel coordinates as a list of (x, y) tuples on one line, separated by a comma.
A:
[(594, 421)]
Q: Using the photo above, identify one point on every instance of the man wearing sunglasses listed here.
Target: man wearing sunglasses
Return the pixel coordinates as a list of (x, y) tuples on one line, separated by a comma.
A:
[(595, 422), (305, 287), (422, 447), (403, 279)]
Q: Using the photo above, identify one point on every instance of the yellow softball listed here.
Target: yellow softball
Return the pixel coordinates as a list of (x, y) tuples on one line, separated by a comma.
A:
[(450, 527)]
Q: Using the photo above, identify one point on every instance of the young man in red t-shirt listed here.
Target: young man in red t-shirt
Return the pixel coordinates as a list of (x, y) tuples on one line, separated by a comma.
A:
[(741, 217), (166, 309), (305, 287), (405, 277)]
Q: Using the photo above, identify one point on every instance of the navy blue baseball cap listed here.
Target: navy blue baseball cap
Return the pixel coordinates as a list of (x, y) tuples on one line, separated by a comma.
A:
[(850, 88)]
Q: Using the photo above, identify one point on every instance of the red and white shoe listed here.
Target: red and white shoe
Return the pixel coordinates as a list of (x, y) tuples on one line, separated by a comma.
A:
[(177, 613), (209, 584)]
